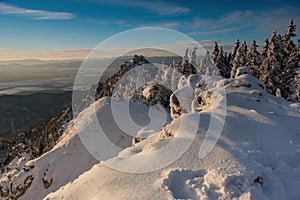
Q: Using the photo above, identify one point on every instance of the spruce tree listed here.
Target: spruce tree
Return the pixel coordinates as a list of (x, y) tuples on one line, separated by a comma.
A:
[(193, 56), (207, 67), (186, 55), (254, 59), (221, 63), (292, 76), (234, 50), (244, 52), (264, 49), (271, 66), (289, 61), (202, 67), (215, 52), (237, 62), (296, 87), (291, 30)]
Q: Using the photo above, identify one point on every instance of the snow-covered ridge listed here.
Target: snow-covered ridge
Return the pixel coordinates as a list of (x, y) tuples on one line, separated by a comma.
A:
[(258, 142), (256, 156)]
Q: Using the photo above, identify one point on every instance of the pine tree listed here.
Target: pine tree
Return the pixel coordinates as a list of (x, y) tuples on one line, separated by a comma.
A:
[(240, 58), (189, 56), (254, 59), (271, 74), (174, 80), (193, 56), (231, 58), (265, 48), (292, 76), (244, 52), (234, 50), (263, 70), (215, 52), (291, 31), (228, 65), (186, 54), (288, 60), (207, 66), (206, 63), (221, 63), (237, 62), (296, 87), (287, 42)]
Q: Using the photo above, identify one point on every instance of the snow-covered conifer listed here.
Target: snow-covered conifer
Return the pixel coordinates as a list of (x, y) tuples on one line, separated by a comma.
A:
[(253, 59), (215, 52)]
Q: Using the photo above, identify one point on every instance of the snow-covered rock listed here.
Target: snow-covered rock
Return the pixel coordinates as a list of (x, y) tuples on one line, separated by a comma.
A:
[(156, 94), (181, 100), (242, 70)]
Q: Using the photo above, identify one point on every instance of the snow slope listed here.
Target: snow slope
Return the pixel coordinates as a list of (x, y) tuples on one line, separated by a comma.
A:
[(256, 156)]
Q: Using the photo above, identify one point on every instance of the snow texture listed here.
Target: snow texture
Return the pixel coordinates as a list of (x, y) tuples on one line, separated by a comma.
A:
[(256, 156)]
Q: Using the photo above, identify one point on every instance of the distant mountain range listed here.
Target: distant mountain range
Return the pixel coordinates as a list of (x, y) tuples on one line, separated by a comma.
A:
[(22, 112)]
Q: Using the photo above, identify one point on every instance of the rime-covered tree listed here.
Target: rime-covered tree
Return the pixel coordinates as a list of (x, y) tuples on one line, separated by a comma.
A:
[(263, 70), (271, 74), (291, 30), (203, 63), (254, 59), (228, 65), (234, 50), (221, 63), (244, 52), (289, 61), (207, 65), (232, 58), (276, 66), (193, 56), (295, 96), (237, 62), (292, 76), (215, 52), (287, 42), (240, 58), (264, 50), (186, 54)]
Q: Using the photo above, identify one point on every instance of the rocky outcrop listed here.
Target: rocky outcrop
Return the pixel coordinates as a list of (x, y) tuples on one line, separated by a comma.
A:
[(106, 88), (154, 93)]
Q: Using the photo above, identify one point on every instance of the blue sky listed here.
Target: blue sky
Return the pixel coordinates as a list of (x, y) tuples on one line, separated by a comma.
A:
[(47, 28)]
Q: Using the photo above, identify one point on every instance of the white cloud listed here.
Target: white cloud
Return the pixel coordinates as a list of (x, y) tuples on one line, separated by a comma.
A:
[(170, 25), (34, 14), (161, 7), (224, 30), (209, 45), (256, 22), (266, 22), (156, 6), (224, 23)]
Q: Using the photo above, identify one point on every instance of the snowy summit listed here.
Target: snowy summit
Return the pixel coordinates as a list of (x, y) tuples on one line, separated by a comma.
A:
[(255, 157)]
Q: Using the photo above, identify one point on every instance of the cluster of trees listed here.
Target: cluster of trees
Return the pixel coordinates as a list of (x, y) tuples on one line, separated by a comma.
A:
[(276, 65)]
